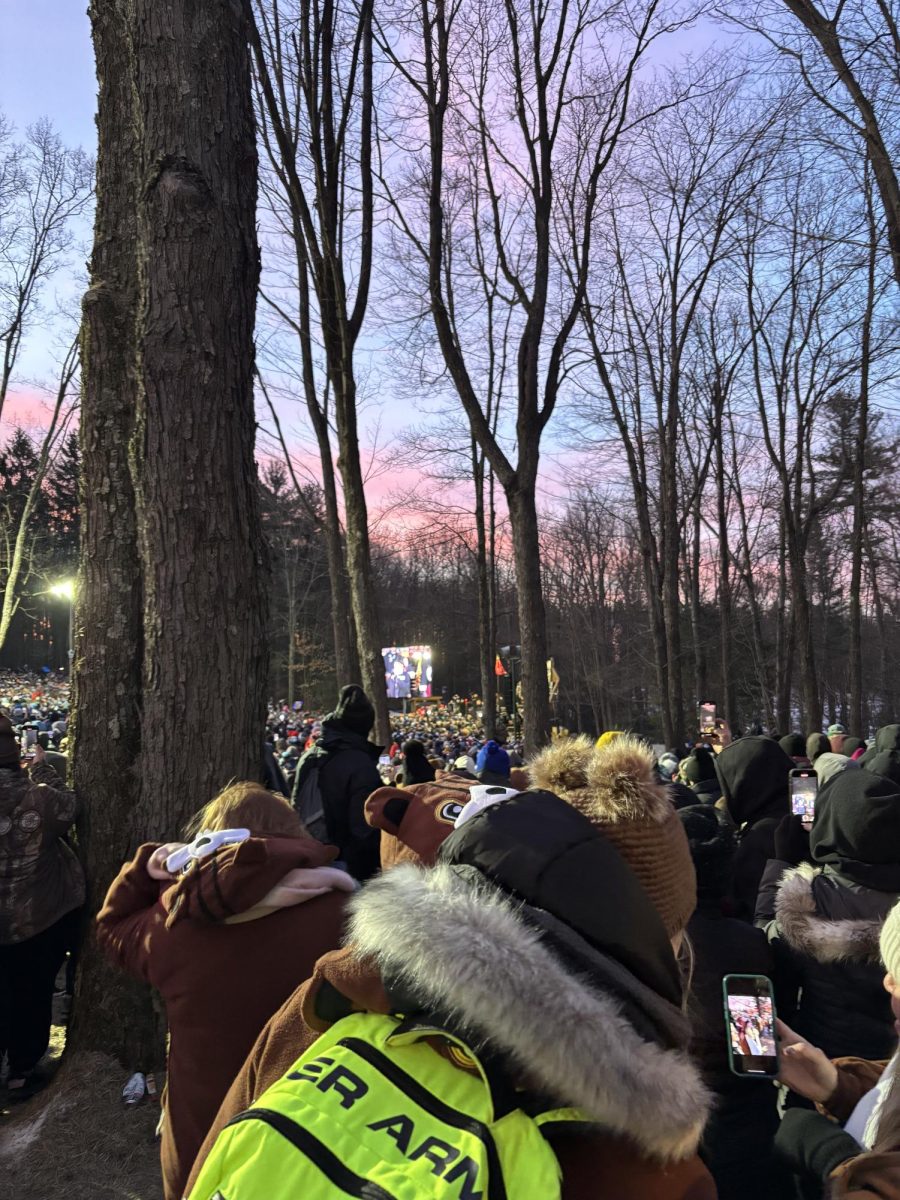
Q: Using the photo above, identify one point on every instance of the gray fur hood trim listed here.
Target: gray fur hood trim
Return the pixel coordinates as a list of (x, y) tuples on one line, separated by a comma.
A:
[(461, 945), (825, 940)]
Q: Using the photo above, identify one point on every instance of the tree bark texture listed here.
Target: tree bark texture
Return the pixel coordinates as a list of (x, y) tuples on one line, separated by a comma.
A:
[(171, 610), (111, 1013), (199, 531), (532, 618)]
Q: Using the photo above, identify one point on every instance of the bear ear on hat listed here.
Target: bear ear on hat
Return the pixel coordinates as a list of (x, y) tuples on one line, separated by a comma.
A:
[(386, 808)]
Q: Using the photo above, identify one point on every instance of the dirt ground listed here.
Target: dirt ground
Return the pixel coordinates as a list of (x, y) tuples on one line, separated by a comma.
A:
[(76, 1140)]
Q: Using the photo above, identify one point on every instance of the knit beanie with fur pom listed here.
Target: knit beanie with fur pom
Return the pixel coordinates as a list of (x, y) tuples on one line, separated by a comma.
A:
[(616, 788)]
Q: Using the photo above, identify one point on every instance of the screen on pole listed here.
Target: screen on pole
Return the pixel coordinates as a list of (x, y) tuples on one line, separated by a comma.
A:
[(407, 671)]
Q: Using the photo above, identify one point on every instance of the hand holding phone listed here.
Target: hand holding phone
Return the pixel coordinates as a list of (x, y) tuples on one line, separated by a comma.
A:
[(750, 1025), (804, 1068), (804, 784)]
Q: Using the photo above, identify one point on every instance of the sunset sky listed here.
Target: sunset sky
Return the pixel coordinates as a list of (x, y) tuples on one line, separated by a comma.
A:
[(47, 69)]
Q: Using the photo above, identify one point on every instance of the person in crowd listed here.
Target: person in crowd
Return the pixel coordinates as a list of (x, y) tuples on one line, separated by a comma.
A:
[(753, 773), (855, 1154), (538, 954), (492, 765), (794, 746), (224, 944), (698, 771), (667, 766), (885, 763), (816, 744), (836, 735), (41, 893), (416, 766), (887, 738), (737, 1141), (829, 765), (824, 916), (852, 745), (343, 764)]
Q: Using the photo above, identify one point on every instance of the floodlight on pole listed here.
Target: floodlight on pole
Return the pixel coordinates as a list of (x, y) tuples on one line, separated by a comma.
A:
[(65, 589)]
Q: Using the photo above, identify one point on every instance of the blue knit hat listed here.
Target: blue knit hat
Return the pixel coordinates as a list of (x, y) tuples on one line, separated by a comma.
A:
[(492, 758)]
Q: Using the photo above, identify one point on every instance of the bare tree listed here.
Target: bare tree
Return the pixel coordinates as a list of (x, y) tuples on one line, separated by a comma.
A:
[(172, 607), (535, 172), (44, 187), (15, 572), (314, 71)]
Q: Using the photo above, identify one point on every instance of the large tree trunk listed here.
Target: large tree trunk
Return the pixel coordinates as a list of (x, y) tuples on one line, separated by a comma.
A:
[(171, 608), (111, 1013), (532, 616), (199, 531)]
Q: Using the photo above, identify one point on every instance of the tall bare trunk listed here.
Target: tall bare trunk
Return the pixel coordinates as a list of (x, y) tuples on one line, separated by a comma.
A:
[(532, 617), (857, 726), (487, 645), (111, 1013)]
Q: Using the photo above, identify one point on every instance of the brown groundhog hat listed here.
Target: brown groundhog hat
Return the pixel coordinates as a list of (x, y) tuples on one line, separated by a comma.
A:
[(414, 821)]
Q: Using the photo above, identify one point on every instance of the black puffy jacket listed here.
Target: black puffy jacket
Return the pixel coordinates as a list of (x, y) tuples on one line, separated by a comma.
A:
[(824, 931), (348, 775)]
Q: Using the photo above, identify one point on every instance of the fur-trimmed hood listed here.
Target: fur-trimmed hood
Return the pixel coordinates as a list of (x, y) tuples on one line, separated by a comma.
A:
[(461, 946), (824, 938)]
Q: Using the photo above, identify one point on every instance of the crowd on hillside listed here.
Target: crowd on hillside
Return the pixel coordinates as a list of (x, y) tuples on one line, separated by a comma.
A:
[(431, 969)]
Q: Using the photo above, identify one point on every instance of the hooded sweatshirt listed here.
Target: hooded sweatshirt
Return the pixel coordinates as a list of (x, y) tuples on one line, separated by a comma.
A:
[(221, 977), (824, 918), (501, 943), (753, 772)]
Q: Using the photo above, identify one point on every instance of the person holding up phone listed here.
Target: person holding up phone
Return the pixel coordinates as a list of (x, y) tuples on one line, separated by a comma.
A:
[(858, 1159), (824, 916)]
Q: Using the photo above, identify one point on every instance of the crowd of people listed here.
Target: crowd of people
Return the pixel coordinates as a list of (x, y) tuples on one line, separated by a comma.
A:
[(432, 969)]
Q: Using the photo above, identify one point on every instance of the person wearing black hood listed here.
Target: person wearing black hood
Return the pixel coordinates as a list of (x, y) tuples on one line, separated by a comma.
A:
[(347, 766), (416, 767), (737, 1141), (794, 746), (753, 773), (824, 918), (698, 771)]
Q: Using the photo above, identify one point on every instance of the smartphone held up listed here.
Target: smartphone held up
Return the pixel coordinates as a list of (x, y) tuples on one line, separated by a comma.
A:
[(750, 1022), (803, 784)]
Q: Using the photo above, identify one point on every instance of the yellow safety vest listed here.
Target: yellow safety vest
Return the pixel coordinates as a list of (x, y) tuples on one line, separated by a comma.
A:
[(373, 1110)]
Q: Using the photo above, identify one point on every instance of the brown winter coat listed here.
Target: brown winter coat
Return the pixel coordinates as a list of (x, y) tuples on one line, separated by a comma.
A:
[(220, 982), (40, 878), (874, 1174), (597, 1167)]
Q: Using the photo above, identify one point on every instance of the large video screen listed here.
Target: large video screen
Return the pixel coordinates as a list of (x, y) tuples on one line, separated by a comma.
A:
[(407, 672)]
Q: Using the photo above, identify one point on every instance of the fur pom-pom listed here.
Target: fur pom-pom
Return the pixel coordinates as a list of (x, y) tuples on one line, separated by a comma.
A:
[(562, 767), (623, 785)]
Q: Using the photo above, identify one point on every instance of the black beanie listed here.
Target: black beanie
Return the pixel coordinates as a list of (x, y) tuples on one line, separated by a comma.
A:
[(851, 745), (355, 710), (794, 745), (713, 846), (816, 744), (699, 765)]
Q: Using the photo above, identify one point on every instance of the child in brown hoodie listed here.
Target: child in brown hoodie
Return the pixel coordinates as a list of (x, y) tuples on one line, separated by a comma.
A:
[(225, 944)]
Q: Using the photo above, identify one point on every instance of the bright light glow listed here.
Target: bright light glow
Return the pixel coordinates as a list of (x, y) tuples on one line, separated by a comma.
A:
[(65, 588)]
